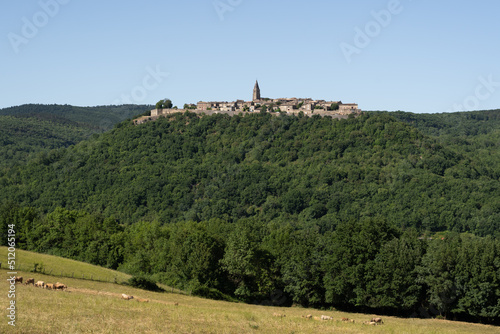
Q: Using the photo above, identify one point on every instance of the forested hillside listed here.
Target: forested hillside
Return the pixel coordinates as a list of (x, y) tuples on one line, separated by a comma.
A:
[(475, 134), (191, 168), (32, 128), (272, 209)]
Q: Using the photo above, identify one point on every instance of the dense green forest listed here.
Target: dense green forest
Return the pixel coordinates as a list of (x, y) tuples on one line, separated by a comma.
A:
[(28, 129), (281, 209), (475, 134)]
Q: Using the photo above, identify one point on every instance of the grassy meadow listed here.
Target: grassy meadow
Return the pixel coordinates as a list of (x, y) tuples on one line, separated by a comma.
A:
[(58, 266), (96, 307)]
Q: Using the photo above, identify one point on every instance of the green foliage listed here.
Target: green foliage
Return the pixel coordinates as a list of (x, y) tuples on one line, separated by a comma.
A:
[(352, 251), (473, 134), (164, 104), (461, 276), (73, 234), (211, 293), (222, 167), (393, 275), (189, 106), (248, 265), (334, 106), (143, 283), (278, 209), (300, 254), (32, 129)]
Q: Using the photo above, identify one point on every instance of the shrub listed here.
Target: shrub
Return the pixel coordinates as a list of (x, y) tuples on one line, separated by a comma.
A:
[(211, 293), (143, 283)]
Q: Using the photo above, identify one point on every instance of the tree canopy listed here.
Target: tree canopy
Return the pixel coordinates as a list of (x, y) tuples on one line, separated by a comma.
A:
[(388, 212)]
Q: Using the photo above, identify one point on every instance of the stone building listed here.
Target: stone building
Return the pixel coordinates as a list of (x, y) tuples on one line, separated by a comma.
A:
[(256, 92), (291, 106)]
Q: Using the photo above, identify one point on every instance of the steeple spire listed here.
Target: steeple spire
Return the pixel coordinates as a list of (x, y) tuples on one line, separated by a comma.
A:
[(256, 91)]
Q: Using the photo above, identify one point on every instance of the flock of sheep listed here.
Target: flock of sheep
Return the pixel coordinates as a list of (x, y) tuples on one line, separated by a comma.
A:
[(372, 322), (42, 284), (61, 286)]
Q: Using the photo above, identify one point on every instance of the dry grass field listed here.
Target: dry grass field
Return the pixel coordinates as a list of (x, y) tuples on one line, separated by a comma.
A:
[(97, 307), (62, 267)]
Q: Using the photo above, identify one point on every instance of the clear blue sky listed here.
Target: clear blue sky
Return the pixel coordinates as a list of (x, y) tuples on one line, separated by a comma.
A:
[(425, 56)]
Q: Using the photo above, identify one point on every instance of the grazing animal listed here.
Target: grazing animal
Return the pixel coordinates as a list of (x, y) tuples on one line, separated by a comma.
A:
[(19, 279), (127, 297), (60, 286), (40, 284), (30, 281), (309, 316), (326, 317), (279, 315), (49, 286), (377, 320), (371, 323), (176, 304)]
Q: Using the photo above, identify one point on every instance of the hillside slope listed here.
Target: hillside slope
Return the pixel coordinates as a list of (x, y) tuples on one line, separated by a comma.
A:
[(97, 307), (190, 168), (61, 267), (323, 212), (30, 129), (101, 118), (476, 134)]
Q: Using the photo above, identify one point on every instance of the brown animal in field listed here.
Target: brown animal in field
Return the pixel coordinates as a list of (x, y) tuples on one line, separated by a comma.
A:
[(19, 279), (326, 317), (30, 281), (176, 304), (309, 316), (377, 320), (127, 297), (141, 300), (49, 286), (40, 284), (279, 315), (60, 286)]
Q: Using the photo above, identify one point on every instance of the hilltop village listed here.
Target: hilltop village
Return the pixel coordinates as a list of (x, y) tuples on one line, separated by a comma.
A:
[(290, 106)]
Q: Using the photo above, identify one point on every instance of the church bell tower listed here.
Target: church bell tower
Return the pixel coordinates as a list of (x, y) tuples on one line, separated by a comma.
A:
[(256, 91)]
